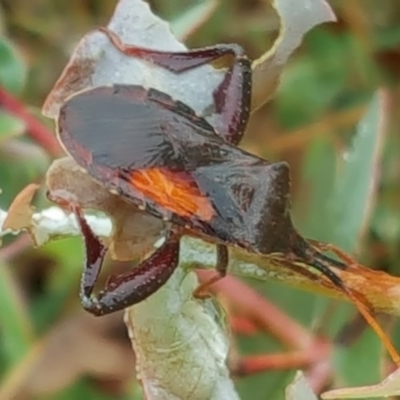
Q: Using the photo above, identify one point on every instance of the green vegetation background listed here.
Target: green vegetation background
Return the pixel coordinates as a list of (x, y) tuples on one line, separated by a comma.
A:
[(325, 90)]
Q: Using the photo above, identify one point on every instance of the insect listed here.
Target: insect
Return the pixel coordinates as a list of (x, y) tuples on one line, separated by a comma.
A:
[(185, 169), (156, 153)]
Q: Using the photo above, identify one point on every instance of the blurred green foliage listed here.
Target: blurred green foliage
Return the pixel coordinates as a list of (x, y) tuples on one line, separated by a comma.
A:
[(328, 84)]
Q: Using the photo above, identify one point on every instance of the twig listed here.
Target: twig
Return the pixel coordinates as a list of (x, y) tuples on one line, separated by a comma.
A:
[(378, 288)]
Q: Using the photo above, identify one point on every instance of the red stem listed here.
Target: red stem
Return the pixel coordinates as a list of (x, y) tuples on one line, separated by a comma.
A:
[(242, 325), (35, 129), (263, 313), (293, 360), (309, 351)]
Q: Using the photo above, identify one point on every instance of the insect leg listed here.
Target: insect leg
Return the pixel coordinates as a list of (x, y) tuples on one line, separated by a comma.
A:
[(129, 288), (346, 258), (221, 268), (232, 97)]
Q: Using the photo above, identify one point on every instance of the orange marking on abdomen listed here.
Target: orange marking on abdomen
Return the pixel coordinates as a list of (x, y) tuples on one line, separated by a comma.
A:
[(176, 191)]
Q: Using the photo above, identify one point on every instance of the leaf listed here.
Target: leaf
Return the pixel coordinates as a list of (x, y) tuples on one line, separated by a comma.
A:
[(21, 163), (299, 389), (318, 177), (354, 192), (350, 203), (346, 210), (96, 62), (365, 351), (379, 288), (20, 212), (194, 341), (266, 69), (17, 330), (387, 388), (12, 68), (190, 20), (10, 126), (51, 365), (297, 18)]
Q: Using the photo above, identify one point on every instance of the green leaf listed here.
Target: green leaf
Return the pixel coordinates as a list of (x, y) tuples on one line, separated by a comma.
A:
[(317, 178), (12, 68), (354, 191), (306, 92), (339, 210), (21, 163), (191, 18), (10, 126), (358, 365), (351, 204), (15, 323)]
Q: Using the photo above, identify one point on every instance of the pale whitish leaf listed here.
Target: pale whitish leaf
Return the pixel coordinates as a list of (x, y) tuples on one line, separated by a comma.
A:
[(388, 387), (297, 18), (299, 389)]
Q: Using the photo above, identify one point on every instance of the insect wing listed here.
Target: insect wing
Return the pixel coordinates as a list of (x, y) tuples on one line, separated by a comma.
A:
[(115, 127), (141, 144)]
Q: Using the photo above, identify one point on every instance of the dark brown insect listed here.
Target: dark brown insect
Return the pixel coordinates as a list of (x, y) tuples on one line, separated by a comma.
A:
[(158, 154)]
